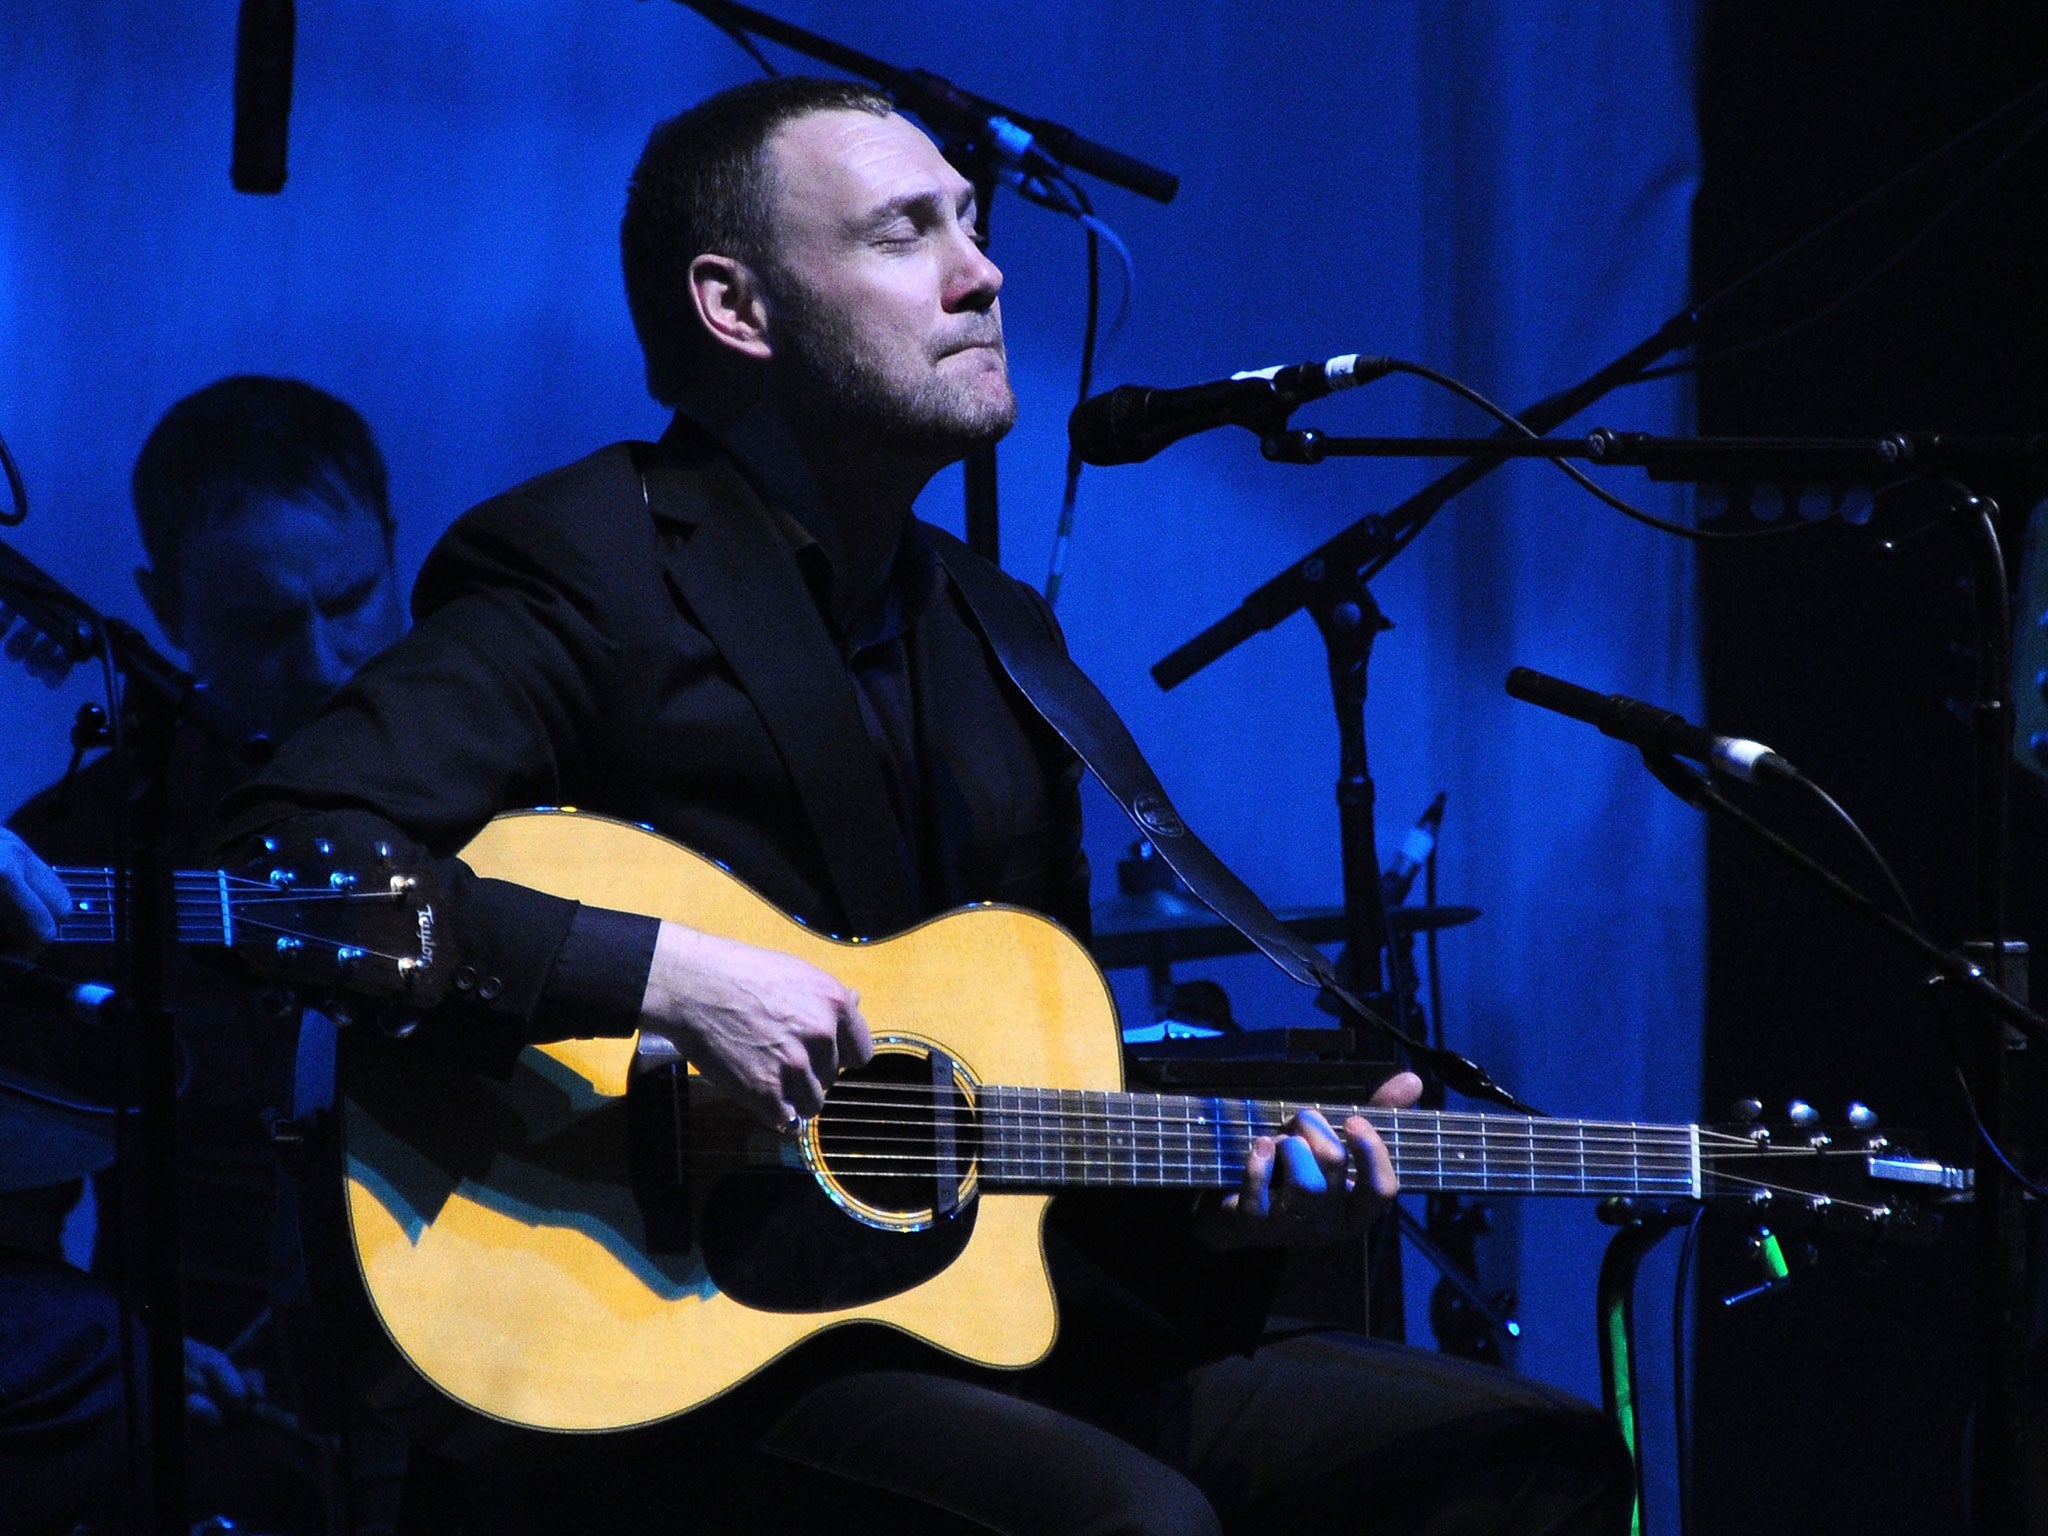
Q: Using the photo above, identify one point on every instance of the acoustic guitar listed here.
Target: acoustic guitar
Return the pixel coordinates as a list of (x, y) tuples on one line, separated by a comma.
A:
[(596, 1240)]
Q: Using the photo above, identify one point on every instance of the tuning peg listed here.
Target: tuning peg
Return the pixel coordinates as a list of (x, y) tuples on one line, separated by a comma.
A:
[(1802, 1114), (283, 879), (1745, 1110), (346, 956), (341, 880), (1862, 1117), (323, 847), (287, 945)]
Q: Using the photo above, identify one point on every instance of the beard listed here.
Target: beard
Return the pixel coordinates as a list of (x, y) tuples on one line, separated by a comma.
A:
[(838, 374)]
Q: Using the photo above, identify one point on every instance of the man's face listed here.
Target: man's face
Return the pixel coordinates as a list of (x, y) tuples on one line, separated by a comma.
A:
[(277, 605), (882, 306)]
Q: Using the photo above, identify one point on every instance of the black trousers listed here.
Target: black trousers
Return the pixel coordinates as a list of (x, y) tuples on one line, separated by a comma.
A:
[(1315, 1430)]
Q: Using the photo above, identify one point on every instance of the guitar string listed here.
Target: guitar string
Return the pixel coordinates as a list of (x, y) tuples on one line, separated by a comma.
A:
[(1556, 1160), (1555, 1156), (1017, 1171), (1141, 1114), (1561, 1146), (1006, 1165), (1228, 1168), (281, 930), (1065, 1097), (1555, 1163)]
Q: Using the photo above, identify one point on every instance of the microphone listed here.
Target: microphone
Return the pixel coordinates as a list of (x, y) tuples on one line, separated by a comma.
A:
[(1130, 423), (1416, 848), (1647, 726), (82, 1002), (264, 33)]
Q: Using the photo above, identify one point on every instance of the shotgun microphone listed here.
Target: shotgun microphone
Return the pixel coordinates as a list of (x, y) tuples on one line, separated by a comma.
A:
[(1649, 727)]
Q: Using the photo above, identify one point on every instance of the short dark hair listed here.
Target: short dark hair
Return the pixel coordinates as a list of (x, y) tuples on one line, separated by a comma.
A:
[(702, 185), (245, 436)]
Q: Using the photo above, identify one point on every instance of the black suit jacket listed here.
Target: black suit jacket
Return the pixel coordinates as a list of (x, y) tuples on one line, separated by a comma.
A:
[(632, 635)]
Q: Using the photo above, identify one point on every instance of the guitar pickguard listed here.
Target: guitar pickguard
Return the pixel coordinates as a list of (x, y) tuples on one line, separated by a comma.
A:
[(773, 1240)]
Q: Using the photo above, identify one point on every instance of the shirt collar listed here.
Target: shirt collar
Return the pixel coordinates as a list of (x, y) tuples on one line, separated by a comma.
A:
[(761, 444)]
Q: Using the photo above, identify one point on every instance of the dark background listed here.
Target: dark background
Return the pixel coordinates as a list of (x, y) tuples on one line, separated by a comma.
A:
[(1842, 1404)]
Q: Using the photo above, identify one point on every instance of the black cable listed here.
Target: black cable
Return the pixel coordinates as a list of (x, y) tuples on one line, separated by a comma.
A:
[(1681, 1418), (2038, 1191), (1436, 975), (1056, 569), (1571, 471), (1876, 194), (746, 41), (17, 492), (1913, 243), (1877, 859), (1681, 1405)]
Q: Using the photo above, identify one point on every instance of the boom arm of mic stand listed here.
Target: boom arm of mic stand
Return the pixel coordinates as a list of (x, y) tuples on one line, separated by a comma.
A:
[(1695, 791), (1372, 541), (945, 105)]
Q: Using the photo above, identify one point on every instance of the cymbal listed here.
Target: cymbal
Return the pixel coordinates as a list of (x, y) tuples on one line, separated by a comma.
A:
[(1167, 926)]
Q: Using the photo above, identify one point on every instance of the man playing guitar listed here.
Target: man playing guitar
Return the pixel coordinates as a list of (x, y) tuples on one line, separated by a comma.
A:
[(742, 637)]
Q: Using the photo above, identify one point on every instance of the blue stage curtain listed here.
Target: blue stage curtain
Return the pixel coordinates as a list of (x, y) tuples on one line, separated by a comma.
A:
[(1499, 189)]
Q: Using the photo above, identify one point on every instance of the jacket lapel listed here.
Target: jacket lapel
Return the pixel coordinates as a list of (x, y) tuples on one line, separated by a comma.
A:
[(741, 584)]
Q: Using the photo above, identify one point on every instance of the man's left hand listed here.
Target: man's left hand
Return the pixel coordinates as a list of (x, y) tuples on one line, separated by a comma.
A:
[(1313, 1183), (32, 898)]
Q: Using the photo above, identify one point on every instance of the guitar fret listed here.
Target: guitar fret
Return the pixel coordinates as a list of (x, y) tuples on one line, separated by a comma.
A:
[(995, 1133), (1051, 1135), (1087, 1140)]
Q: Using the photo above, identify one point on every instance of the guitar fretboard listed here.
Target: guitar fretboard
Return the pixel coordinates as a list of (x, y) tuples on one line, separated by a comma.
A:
[(203, 900), (1052, 1138)]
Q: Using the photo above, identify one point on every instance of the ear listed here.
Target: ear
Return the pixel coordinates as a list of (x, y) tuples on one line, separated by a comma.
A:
[(730, 304), (162, 598)]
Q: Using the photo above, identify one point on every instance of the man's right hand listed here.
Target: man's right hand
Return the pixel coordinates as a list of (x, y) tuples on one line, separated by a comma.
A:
[(767, 1028), (32, 898)]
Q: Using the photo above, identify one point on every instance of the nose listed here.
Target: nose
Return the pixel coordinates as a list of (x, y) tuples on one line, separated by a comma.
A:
[(326, 660), (974, 280)]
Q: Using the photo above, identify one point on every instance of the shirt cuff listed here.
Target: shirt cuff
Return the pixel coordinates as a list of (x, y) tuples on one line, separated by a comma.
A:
[(599, 975)]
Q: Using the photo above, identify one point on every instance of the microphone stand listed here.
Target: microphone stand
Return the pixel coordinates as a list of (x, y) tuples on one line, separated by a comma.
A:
[(153, 696), (1332, 583), (981, 137), (2001, 1022)]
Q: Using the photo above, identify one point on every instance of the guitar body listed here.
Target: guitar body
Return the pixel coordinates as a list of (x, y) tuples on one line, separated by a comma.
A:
[(555, 1252)]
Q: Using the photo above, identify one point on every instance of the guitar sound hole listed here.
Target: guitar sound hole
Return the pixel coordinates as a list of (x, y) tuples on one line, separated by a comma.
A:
[(897, 1143)]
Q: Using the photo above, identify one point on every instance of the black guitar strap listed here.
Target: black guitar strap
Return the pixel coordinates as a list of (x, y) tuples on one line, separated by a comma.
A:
[(1023, 640)]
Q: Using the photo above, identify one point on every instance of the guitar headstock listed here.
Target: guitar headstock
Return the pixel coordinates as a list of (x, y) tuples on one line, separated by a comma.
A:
[(1853, 1176), (325, 925)]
